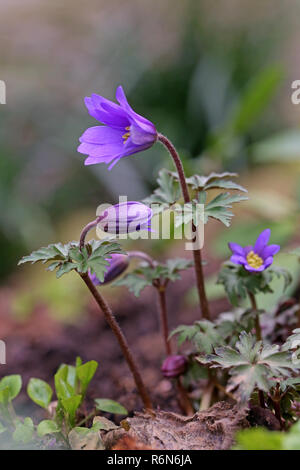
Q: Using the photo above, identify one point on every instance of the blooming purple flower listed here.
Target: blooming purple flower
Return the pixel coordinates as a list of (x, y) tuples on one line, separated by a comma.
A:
[(126, 217), (257, 258), (117, 265), (124, 132), (173, 366)]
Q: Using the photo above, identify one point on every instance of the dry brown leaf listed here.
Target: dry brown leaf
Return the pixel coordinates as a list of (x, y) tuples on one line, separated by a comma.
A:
[(212, 429)]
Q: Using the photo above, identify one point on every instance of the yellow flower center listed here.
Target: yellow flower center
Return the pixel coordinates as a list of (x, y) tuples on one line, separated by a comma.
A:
[(126, 135), (254, 260)]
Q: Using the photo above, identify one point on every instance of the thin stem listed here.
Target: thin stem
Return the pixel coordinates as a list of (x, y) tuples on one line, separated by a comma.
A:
[(254, 308), (183, 399), (223, 390), (161, 291), (261, 398), (85, 231), (143, 256), (196, 253), (277, 410), (109, 317), (207, 396)]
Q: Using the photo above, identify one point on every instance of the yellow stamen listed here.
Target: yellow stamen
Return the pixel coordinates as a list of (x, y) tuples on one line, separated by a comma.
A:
[(254, 260), (126, 135)]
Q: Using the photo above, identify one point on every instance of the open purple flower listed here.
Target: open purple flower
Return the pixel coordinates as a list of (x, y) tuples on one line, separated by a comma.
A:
[(117, 265), (257, 258), (126, 217), (124, 132)]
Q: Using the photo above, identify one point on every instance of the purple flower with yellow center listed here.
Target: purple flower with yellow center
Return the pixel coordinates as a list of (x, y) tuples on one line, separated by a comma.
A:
[(255, 258), (117, 265), (126, 217), (124, 132)]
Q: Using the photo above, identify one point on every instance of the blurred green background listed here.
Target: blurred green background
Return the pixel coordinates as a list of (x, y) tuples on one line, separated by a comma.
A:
[(215, 78)]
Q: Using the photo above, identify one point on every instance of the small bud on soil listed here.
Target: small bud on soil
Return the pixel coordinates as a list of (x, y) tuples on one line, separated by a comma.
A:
[(173, 366)]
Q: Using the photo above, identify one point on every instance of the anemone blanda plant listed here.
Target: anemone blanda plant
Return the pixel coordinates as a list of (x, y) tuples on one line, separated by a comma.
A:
[(91, 260), (124, 132), (250, 271)]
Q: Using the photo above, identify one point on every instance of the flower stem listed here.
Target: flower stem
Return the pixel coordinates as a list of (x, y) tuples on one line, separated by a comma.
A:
[(257, 323), (109, 317), (196, 253), (143, 256), (183, 399), (86, 229), (161, 290)]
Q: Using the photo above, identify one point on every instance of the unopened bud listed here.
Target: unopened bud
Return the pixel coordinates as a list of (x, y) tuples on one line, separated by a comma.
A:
[(117, 265), (173, 366)]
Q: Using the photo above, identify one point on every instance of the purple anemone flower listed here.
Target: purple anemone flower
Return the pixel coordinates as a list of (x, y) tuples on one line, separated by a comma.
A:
[(117, 265), (126, 217), (124, 132), (255, 258)]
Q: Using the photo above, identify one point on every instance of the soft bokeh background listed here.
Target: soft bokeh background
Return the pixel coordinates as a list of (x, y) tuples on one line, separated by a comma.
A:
[(215, 77)]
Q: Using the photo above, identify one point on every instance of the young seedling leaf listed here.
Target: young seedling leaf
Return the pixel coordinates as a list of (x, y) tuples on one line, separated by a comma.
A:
[(110, 406), (11, 386), (40, 392), (24, 431), (47, 427), (85, 373)]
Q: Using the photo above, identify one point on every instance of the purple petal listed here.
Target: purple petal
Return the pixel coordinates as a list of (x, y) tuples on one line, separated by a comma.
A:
[(262, 241), (254, 270), (270, 250), (268, 262), (142, 122), (247, 249), (102, 135), (238, 259), (116, 117), (236, 249), (107, 150)]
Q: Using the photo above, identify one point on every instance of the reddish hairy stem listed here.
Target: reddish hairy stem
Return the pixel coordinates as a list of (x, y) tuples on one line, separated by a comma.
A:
[(143, 256), (86, 229), (164, 318), (109, 317), (183, 399), (196, 253), (257, 323)]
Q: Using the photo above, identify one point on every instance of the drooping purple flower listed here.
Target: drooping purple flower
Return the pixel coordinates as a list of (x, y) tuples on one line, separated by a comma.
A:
[(124, 132), (255, 258), (173, 366), (117, 265), (126, 217)]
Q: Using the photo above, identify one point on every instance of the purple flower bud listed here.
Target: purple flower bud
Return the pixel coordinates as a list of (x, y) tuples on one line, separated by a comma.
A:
[(117, 265), (173, 366), (124, 132), (126, 217)]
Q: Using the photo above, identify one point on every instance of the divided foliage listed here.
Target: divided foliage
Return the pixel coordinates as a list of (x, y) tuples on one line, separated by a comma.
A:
[(168, 196), (251, 365), (237, 282), (144, 276), (94, 256)]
